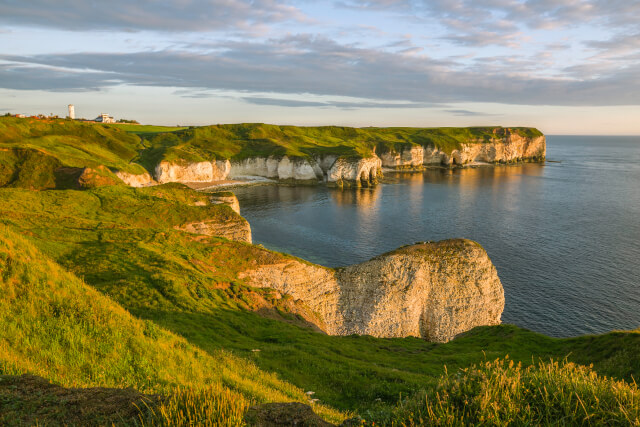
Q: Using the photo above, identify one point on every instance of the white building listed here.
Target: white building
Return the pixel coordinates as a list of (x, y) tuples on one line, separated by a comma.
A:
[(104, 118), (72, 112)]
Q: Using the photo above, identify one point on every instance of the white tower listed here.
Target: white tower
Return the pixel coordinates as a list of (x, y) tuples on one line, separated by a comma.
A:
[(72, 112)]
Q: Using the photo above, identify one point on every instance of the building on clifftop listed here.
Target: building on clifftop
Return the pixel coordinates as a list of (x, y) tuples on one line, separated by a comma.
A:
[(104, 118)]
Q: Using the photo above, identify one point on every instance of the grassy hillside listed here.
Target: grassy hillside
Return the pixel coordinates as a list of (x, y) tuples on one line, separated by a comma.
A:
[(57, 327), (100, 288), (240, 141), (42, 154), (122, 242)]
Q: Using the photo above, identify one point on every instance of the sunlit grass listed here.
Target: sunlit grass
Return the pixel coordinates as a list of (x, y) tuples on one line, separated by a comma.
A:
[(505, 393)]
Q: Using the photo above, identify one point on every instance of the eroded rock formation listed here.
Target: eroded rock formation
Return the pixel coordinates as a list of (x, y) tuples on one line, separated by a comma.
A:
[(410, 157), (226, 198), (346, 172), (135, 180), (430, 290), (284, 168), (232, 226), (507, 148), (504, 147), (192, 172), (238, 230)]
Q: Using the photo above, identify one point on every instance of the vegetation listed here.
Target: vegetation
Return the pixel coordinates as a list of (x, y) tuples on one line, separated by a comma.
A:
[(42, 148), (100, 288), (123, 243), (250, 140), (57, 327), (504, 393), (33, 151)]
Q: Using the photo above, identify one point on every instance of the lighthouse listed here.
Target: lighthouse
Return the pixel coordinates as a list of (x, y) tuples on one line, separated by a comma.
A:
[(72, 112)]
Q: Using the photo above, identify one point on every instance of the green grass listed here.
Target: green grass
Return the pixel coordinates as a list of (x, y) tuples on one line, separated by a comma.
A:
[(242, 141), (57, 327), (122, 242), (504, 393), (100, 288), (33, 152), (145, 129), (40, 147)]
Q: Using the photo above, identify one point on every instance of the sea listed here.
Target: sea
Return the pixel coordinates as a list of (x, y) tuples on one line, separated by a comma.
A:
[(563, 235)]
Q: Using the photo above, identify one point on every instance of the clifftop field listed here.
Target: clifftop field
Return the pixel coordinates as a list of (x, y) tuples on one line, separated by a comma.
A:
[(113, 311), (33, 149)]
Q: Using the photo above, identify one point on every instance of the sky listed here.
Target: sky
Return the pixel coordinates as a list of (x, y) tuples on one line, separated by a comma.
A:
[(563, 66)]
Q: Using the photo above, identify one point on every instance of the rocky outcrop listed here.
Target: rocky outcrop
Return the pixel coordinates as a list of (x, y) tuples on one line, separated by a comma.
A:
[(238, 230), (410, 157), (99, 176), (508, 147), (192, 172), (512, 148), (136, 180), (355, 172), (430, 290), (227, 198), (284, 168)]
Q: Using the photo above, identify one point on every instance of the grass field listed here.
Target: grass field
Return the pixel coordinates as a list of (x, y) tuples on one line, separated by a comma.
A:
[(36, 148), (122, 243), (99, 288)]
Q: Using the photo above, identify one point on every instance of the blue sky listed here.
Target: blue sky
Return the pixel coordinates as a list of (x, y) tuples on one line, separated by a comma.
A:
[(564, 66)]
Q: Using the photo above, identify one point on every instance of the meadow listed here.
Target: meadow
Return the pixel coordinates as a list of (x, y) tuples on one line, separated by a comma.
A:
[(99, 289)]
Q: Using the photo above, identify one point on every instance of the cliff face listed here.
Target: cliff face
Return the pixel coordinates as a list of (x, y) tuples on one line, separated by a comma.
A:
[(432, 290), (136, 180), (232, 226), (355, 172), (504, 146), (509, 148), (192, 172), (408, 158), (226, 198), (238, 230), (277, 168)]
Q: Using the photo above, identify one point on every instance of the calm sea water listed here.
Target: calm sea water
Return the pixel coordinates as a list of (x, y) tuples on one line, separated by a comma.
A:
[(564, 236)]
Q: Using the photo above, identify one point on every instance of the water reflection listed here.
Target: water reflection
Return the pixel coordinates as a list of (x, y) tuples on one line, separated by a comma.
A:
[(362, 197), (563, 236)]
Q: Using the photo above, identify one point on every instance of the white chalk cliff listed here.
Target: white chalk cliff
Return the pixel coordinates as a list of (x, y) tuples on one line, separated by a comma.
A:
[(511, 148), (192, 172), (430, 290), (505, 147)]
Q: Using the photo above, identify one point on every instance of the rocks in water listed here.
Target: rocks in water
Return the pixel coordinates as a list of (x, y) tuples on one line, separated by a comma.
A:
[(430, 290), (284, 414), (355, 172)]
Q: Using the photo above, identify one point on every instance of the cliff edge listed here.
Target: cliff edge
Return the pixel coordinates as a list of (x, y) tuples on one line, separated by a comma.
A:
[(430, 290)]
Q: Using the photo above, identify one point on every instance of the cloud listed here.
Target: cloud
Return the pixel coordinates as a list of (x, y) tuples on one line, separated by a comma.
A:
[(283, 102), (501, 22), (126, 15), (299, 64), (468, 113), (333, 104)]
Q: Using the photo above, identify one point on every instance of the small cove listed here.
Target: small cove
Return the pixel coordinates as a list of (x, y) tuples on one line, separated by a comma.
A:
[(564, 235)]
